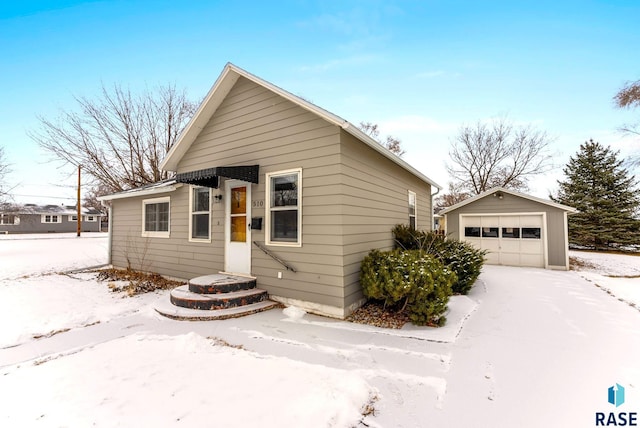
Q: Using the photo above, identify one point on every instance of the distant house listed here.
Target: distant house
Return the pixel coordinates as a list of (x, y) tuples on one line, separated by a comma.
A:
[(270, 185), (32, 218), (516, 229)]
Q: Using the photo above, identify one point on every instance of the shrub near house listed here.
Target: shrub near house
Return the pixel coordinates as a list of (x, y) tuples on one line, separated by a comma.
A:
[(410, 279), (461, 257)]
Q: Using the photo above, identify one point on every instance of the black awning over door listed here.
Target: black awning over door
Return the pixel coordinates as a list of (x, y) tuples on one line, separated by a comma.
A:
[(210, 177)]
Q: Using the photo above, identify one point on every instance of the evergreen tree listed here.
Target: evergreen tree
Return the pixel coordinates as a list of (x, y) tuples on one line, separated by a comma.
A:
[(605, 195)]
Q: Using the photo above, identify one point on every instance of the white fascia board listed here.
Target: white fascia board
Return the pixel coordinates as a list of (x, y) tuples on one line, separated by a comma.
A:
[(569, 209), (141, 192), (207, 108), (360, 135)]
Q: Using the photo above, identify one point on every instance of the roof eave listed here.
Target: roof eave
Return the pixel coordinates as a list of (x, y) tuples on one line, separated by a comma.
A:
[(141, 192), (360, 135)]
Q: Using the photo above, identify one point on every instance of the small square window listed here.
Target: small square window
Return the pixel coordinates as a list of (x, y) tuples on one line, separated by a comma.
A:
[(472, 232), (155, 217), (511, 232), (531, 233), (489, 232)]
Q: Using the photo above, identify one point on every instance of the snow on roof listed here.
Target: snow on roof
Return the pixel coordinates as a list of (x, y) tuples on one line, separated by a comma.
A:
[(50, 209)]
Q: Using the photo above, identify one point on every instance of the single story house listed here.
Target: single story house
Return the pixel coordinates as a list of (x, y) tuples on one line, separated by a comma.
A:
[(270, 185), (516, 229), (31, 218)]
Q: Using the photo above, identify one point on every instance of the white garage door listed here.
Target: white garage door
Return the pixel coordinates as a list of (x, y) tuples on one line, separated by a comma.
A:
[(512, 240)]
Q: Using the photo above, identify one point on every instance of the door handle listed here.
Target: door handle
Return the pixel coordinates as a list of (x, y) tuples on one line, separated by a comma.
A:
[(249, 226)]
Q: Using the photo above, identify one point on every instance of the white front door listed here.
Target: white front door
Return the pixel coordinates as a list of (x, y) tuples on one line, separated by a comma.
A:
[(237, 197)]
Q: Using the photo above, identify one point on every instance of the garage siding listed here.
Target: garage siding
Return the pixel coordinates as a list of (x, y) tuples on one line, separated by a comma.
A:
[(555, 221)]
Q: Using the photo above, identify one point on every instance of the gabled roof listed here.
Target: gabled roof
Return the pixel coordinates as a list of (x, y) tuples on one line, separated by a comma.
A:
[(229, 76), (510, 192)]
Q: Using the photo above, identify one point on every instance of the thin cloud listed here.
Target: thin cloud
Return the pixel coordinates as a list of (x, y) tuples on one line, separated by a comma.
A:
[(430, 74), (415, 123), (333, 64)]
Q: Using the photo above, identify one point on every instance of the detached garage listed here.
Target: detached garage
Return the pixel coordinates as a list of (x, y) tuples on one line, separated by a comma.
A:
[(515, 229)]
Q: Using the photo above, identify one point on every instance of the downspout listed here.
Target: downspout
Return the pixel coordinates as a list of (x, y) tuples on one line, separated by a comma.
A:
[(109, 231), (432, 211)]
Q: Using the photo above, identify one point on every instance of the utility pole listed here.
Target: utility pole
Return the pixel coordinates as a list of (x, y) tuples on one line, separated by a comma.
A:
[(79, 212)]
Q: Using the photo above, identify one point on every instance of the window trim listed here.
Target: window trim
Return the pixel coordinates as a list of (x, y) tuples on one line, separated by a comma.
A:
[(191, 213), (71, 217), (415, 208), (267, 235), (16, 219), (43, 219), (87, 218), (155, 234)]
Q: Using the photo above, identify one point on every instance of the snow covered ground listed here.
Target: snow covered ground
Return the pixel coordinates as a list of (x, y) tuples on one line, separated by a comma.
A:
[(617, 274), (526, 348)]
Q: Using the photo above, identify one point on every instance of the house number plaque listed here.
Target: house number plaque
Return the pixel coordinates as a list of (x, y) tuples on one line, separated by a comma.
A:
[(257, 204)]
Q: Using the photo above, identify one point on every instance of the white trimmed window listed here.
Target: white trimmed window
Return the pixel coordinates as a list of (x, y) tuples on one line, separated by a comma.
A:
[(73, 218), (155, 217), (284, 208), (200, 214), (9, 219), (51, 218), (90, 218), (412, 210)]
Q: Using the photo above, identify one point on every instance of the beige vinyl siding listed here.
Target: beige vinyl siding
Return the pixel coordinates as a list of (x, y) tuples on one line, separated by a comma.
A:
[(174, 256), (256, 126), (374, 199), (352, 196), (556, 246)]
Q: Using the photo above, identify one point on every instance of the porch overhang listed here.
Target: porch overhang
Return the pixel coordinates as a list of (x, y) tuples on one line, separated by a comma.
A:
[(210, 177)]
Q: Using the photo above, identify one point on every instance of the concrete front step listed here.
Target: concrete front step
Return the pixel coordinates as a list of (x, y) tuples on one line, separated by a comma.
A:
[(169, 310), (220, 283), (183, 297)]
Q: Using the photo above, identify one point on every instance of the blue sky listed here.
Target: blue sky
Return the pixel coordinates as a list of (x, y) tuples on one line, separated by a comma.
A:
[(420, 69)]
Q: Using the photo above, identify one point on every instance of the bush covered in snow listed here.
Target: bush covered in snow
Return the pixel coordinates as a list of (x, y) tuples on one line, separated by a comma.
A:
[(412, 280), (461, 257)]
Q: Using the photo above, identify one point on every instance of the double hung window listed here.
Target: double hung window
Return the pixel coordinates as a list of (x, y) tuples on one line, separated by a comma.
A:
[(200, 220), (412, 209), (9, 219), (284, 210)]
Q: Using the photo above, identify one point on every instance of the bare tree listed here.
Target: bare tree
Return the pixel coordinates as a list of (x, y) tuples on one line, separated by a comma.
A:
[(499, 154), (455, 193), (629, 97), (393, 144), (4, 171), (90, 199), (119, 138)]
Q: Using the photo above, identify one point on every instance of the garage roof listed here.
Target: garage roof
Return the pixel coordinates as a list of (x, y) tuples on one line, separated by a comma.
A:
[(567, 208)]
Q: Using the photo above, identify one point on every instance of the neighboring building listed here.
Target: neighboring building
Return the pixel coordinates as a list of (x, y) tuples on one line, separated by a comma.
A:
[(516, 229), (32, 218), (272, 186)]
